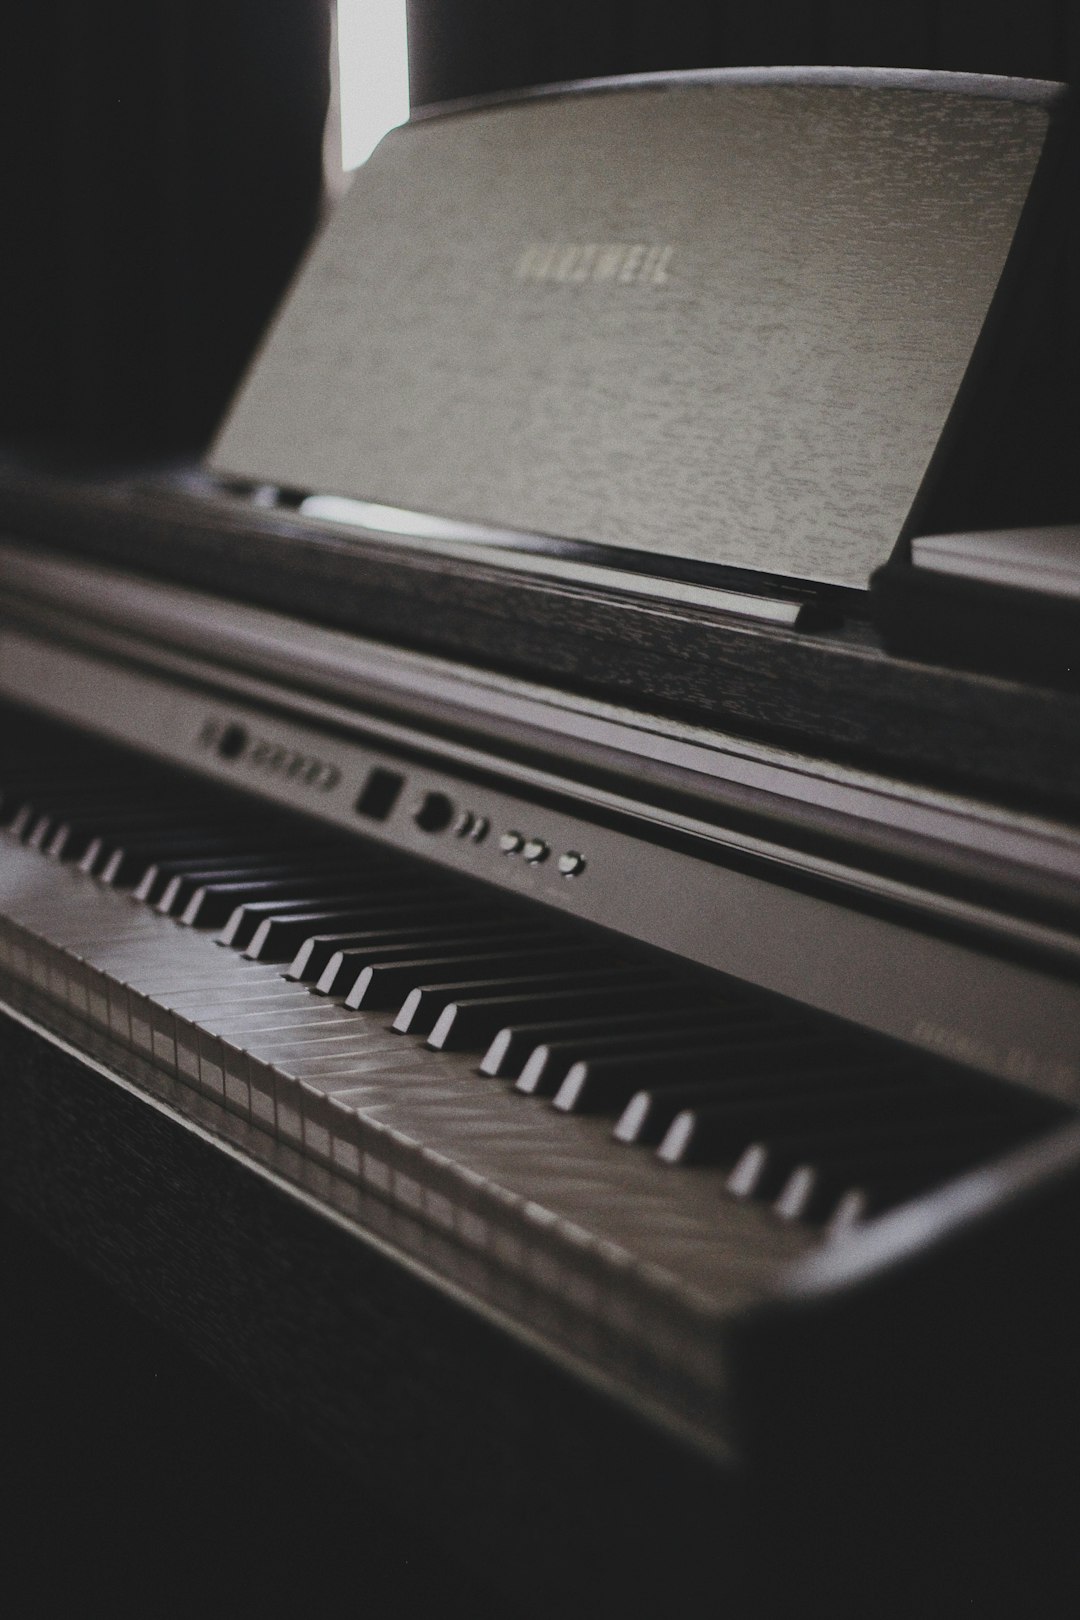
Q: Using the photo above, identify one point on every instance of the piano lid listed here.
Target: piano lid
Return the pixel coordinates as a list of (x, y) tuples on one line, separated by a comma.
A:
[(718, 319)]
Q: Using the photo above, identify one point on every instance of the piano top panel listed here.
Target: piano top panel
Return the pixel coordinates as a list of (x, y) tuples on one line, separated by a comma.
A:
[(718, 321), (830, 693)]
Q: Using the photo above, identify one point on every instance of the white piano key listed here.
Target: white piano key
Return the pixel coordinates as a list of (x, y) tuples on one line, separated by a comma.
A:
[(535, 1209)]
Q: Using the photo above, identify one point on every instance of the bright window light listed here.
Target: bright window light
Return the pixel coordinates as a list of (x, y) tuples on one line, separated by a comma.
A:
[(373, 62)]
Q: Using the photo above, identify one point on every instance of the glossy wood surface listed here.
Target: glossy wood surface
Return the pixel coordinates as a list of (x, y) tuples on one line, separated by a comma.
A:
[(836, 693), (507, 1463)]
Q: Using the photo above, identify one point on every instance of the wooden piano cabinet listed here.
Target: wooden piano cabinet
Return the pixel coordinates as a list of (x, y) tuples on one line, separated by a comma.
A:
[(917, 1437), (136, 1478), (906, 1446), (542, 1489)]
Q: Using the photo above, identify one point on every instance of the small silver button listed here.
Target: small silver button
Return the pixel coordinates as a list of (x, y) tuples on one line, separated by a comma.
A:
[(571, 864), (510, 842), (535, 851), (480, 828)]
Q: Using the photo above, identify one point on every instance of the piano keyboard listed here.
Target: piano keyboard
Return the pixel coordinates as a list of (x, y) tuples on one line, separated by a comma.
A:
[(597, 1141)]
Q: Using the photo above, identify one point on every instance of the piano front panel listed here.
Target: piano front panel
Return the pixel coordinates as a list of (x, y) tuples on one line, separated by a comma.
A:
[(405, 1043), (992, 987)]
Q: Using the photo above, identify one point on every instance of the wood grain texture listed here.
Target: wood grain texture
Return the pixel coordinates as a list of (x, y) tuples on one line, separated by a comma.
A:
[(520, 1472), (151, 1460), (936, 1476), (839, 695)]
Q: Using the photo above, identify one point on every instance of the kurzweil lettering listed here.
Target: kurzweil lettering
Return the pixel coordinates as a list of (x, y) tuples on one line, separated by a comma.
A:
[(625, 263)]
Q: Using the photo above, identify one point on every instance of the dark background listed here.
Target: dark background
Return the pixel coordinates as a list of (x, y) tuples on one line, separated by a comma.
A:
[(164, 171)]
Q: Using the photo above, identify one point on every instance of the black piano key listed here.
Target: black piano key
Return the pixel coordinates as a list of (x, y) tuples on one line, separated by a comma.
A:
[(280, 934), (384, 985), (511, 1047), (814, 1186), (805, 1195), (647, 1115), (24, 781), (206, 840), (58, 826), (212, 904), (278, 938), (717, 1132), (38, 809), (22, 818), (125, 865), (183, 887), (10, 805), (644, 1059), (890, 1187), (604, 1085), (85, 839), (720, 1132), (858, 1203), (422, 1006), (472, 1023), (33, 829), (813, 1197), (850, 1150), (649, 1112), (119, 860), (409, 926), (346, 967), (48, 831), (17, 799), (285, 862), (65, 828), (246, 919), (154, 885), (99, 792)]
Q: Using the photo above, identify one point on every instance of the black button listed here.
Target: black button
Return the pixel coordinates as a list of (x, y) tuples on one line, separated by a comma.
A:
[(435, 814), (232, 742), (379, 794)]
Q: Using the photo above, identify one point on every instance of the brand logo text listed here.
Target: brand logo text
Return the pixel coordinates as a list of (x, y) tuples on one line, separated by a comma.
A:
[(623, 263)]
